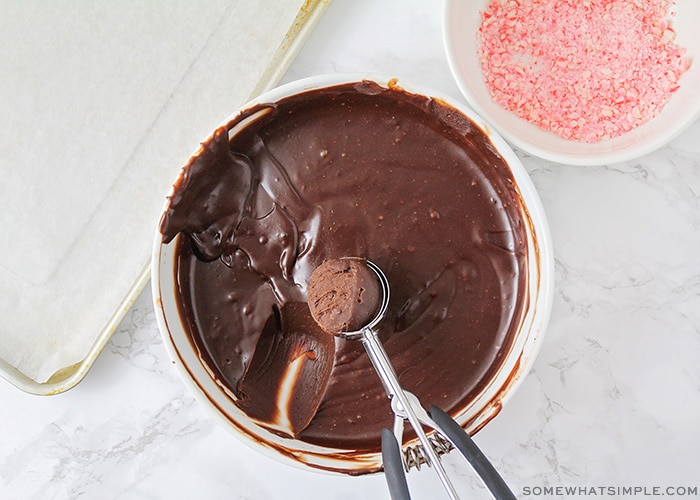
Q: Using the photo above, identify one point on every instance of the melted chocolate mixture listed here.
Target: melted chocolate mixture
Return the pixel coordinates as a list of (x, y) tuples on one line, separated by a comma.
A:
[(352, 170)]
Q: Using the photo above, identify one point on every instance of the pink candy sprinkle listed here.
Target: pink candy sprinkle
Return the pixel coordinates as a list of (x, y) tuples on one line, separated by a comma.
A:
[(587, 70)]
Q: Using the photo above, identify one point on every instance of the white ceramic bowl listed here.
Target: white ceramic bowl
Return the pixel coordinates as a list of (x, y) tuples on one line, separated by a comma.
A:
[(461, 21), (219, 401)]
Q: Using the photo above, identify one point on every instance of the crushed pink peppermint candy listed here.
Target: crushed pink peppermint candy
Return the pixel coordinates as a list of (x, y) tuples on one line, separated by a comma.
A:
[(587, 70)]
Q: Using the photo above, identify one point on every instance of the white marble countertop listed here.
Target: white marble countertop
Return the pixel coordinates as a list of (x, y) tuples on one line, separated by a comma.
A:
[(613, 399)]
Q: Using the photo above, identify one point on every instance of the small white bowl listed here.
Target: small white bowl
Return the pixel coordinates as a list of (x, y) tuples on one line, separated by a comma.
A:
[(219, 401), (461, 21)]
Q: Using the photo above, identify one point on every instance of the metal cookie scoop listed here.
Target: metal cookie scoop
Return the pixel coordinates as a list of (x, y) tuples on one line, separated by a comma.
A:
[(353, 293)]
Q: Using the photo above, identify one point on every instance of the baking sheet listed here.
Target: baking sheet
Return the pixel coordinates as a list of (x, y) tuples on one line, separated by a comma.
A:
[(102, 105)]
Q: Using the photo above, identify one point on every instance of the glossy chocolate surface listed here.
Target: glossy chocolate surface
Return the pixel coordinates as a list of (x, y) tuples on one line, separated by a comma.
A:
[(352, 170)]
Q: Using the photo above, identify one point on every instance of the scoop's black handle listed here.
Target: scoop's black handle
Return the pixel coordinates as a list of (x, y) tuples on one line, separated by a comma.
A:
[(467, 447), (393, 467)]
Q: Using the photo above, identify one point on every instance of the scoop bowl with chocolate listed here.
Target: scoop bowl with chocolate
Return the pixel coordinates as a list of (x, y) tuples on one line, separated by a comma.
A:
[(361, 166)]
